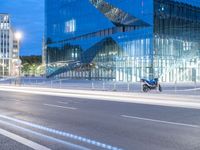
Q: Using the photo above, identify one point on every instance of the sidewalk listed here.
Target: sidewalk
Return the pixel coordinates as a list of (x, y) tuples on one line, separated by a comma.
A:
[(160, 99), (189, 88)]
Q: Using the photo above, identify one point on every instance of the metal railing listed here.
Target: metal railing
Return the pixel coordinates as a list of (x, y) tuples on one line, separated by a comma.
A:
[(189, 88)]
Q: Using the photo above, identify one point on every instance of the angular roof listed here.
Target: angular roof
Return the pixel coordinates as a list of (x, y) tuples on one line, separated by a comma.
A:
[(117, 16)]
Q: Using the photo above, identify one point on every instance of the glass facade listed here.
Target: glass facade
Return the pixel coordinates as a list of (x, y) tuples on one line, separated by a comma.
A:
[(176, 40), (122, 40)]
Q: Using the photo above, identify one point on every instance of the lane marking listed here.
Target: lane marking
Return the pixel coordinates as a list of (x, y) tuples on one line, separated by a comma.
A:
[(63, 102), (186, 90), (22, 140), (161, 121), (68, 144), (63, 134), (58, 106)]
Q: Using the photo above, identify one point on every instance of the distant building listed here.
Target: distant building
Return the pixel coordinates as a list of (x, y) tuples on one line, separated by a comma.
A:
[(43, 53), (123, 40), (9, 48)]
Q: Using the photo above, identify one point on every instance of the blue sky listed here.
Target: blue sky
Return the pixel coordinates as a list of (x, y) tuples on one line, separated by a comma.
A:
[(28, 17)]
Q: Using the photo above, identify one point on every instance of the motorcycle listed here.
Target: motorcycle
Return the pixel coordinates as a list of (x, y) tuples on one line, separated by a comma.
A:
[(151, 85)]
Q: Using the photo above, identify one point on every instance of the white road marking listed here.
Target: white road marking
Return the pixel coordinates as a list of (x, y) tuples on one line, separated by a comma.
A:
[(161, 121), (68, 144), (60, 133), (186, 90), (23, 141), (161, 100), (58, 106), (63, 103), (17, 100)]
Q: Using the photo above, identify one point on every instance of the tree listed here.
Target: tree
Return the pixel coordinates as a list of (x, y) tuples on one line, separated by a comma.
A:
[(30, 65)]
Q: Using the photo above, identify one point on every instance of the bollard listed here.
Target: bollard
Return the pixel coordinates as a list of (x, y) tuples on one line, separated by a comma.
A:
[(141, 86), (128, 87), (51, 84), (60, 84), (92, 86), (157, 88), (195, 86), (175, 88), (114, 87), (103, 86)]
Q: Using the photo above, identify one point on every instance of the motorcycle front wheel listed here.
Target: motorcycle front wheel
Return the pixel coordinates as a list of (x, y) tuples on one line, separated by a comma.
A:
[(145, 88)]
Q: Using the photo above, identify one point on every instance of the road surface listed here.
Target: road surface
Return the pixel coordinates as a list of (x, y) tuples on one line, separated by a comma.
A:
[(31, 121)]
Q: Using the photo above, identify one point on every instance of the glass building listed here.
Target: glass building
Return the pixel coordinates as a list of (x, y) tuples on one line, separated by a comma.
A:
[(123, 40)]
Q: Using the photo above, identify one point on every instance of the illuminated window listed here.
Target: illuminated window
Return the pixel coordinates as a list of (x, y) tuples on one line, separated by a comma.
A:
[(70, 26)]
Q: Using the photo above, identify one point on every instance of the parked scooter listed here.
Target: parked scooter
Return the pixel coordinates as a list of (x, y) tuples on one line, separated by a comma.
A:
[(151, 85)]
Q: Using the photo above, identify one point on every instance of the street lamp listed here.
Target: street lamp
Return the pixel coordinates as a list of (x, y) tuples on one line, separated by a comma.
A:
[(18, 37)]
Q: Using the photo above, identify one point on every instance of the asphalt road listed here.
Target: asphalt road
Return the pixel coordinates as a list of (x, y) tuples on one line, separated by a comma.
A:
[(29, 121)]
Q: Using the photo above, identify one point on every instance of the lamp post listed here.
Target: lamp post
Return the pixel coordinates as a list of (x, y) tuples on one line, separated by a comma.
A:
[(18, 37)]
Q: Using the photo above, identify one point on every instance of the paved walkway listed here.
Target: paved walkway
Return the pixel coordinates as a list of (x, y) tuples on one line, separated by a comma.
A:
[(168, 88)]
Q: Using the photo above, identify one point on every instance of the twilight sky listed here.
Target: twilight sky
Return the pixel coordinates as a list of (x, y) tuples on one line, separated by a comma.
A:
[(27, 16)]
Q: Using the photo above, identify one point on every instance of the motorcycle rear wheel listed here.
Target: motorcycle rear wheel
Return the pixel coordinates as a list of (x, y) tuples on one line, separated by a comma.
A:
[(160, 88)]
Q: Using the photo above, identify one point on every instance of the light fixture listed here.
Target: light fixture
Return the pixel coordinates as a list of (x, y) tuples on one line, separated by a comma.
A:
[(18, 35)]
